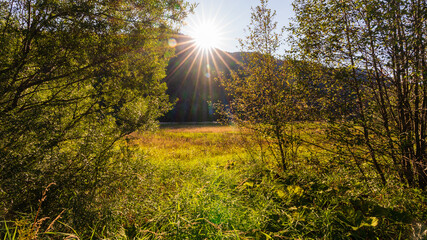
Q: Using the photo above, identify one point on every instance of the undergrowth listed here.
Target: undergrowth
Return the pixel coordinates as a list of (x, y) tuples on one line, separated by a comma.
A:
[(194, 184)]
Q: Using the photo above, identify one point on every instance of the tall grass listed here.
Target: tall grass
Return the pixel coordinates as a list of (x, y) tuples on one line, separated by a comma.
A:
[(196, 182), (218, 183)]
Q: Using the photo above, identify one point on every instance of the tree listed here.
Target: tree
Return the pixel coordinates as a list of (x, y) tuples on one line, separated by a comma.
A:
[(76, 77), (261, 92), (380, 46)]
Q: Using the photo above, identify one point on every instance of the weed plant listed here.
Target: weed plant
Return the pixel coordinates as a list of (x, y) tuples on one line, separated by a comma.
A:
[(219, 183)]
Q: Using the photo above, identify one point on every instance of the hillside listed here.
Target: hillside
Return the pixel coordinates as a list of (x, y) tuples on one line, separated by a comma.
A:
[(191, 81)]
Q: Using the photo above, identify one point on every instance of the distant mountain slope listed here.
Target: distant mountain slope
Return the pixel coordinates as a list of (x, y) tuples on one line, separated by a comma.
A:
[(191, 80)]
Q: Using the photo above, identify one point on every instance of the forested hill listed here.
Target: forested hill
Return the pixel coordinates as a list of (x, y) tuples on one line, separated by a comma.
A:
[(191, 80)]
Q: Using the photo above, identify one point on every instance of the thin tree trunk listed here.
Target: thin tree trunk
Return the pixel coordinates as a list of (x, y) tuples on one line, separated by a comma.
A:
[(280, 141), (360, 103)]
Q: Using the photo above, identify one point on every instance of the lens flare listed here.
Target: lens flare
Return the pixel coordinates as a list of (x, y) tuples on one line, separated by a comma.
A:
[(172, 42), (207, 36)]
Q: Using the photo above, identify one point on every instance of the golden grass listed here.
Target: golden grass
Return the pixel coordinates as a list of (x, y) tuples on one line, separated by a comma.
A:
[(191, 143), (199, 128)]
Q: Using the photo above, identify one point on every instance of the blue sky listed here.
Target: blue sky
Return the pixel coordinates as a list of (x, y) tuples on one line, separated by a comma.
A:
[(233, 16)]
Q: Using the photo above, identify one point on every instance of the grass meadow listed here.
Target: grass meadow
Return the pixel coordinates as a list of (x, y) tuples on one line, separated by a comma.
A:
[(217, 182)]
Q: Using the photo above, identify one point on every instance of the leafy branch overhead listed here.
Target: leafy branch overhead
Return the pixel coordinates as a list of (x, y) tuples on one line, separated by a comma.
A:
[(75, 77)]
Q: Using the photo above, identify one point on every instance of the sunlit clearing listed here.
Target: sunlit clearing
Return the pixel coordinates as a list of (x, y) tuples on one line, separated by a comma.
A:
[(206, 35)]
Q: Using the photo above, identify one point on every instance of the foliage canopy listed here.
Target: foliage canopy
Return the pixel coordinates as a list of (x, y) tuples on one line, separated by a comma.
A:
[(378, 49), (75, 77)]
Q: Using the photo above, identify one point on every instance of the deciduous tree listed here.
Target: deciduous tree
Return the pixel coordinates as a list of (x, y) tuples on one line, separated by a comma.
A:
[(381, 47), (75, 77), (263, 90)]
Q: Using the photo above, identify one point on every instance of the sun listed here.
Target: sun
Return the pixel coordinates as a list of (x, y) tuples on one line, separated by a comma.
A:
[(207, 35)]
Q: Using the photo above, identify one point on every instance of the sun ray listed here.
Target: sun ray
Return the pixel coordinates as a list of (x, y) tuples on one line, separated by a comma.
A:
[(192, 63), (225, 62), (207, 32), (206, 35), (200, 60), (185, 59)]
